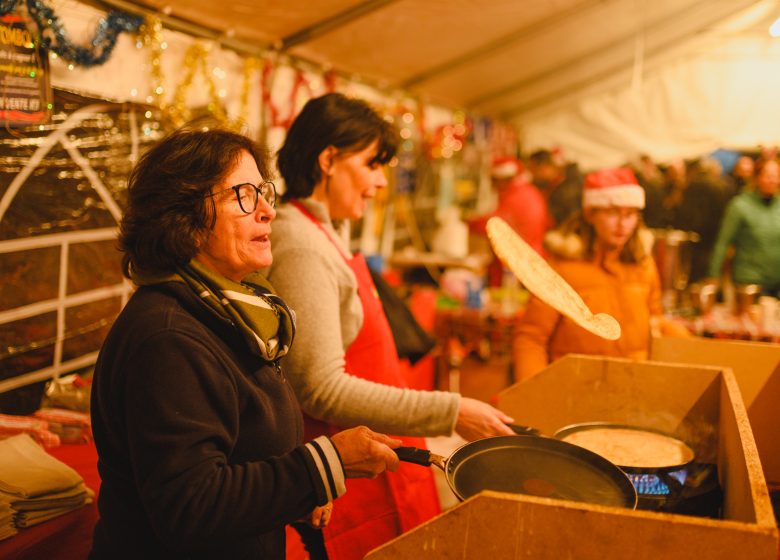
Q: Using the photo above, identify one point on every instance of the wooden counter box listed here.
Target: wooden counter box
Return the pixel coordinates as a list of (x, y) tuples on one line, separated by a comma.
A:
[(756, 367), (699, 404)]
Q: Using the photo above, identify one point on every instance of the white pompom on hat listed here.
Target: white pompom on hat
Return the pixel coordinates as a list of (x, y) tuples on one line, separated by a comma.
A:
[(505, 167), (612, 187)]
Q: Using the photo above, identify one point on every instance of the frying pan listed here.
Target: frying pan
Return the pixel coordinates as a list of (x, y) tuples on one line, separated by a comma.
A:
[(687, 452), (531, 465), (672, 476)]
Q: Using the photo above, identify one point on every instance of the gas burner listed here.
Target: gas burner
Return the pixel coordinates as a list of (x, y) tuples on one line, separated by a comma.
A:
[(653, 484), (691, 491)]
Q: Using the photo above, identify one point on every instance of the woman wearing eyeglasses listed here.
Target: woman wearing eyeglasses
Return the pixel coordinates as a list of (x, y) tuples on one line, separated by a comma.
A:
[(198, 432), (344, 367)]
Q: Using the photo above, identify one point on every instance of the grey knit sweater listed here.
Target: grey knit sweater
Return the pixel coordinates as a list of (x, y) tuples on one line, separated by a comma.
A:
[(310, 275)]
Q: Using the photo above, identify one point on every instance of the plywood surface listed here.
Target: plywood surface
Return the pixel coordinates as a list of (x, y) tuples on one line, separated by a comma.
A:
[(681, 401), (700, 404), (746, 496), (756, 366), (501, 526)]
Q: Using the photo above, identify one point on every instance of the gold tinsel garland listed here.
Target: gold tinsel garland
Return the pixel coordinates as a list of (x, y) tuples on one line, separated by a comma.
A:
[(252, 65), (151, 37), (177, 112), (195, 61)]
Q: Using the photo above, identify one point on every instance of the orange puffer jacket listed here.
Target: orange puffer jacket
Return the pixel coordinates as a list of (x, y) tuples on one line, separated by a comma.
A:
[(629, 292)]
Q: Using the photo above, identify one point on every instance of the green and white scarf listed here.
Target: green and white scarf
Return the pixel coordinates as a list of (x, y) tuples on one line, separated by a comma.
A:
[(260, 316)]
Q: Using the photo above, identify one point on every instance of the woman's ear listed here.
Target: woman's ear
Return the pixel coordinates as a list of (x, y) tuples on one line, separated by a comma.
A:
[(326, 159)]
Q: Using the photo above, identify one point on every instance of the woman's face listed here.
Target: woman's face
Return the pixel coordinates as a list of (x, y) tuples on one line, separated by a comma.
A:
[(352, 178), (744, 167), (769, 178), (239, 243), (614, 225)]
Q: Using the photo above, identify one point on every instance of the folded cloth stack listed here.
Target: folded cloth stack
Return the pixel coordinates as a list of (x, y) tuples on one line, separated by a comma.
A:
[(69, 425), (7, 528), (37, 486), (38, 428)]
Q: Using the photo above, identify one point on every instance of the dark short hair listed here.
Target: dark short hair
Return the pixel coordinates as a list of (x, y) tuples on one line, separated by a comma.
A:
[(334, 120), (167, 207), (541, 157)]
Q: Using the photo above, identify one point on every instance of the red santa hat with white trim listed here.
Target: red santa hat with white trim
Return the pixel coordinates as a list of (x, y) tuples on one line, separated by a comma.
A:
[(612, 187), (505, 167)]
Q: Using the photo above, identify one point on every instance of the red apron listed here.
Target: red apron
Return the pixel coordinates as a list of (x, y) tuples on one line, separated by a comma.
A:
[(373, 511)]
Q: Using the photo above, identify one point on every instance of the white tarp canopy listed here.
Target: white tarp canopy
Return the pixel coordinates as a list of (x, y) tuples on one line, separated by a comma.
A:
[(718, 91), (604, 80)]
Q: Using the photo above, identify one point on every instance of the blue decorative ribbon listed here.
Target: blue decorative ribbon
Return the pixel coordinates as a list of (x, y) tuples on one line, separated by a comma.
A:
[(7, 6), (54, 37)]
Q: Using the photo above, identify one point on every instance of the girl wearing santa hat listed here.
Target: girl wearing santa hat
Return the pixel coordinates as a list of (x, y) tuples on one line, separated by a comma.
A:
[(604, 253)]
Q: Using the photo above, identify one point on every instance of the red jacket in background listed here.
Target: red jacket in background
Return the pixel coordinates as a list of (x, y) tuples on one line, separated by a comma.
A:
[(523, 206)]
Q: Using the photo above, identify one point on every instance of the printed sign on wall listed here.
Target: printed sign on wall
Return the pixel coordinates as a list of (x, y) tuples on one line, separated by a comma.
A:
[(25, 92)]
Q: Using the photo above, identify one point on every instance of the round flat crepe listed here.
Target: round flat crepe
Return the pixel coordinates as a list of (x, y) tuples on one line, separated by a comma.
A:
[(546, 284), (632, 447)]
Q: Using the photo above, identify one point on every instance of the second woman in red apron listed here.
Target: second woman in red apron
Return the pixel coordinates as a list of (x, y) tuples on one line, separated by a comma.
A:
[(344, 367)]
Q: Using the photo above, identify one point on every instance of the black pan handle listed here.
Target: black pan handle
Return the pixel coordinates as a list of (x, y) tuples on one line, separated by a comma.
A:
[(421, 457), (524, 430), (414, 455)]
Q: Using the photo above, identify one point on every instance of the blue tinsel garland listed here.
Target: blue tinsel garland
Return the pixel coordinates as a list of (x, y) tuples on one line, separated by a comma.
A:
[(53, 34), (7, 6)]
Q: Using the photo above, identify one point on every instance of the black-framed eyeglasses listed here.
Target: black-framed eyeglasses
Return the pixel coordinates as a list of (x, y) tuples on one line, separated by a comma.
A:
[(248, 194)]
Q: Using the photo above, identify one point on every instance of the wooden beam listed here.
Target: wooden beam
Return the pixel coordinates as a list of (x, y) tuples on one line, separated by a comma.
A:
[(534, 28), (332, 23)]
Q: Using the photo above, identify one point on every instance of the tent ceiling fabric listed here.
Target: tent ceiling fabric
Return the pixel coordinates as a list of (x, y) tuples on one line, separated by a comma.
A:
[(501, 58)]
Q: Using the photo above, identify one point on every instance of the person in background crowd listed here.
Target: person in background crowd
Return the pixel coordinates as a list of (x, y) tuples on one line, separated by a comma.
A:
[(604, 254), (520, 204), (344, 366), (560, 183), (767, 153), (699, 209), (652, 180), (752, 226), (676, 180), (743, 173), (198, 433)]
